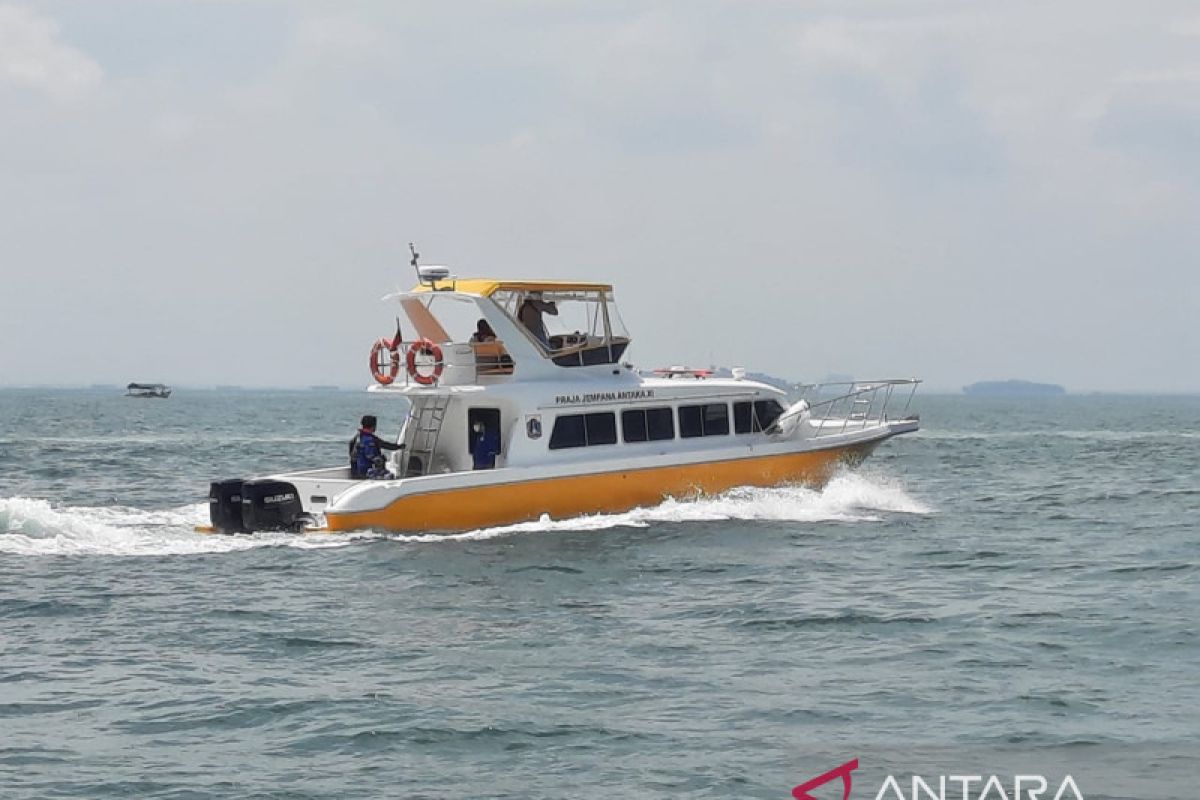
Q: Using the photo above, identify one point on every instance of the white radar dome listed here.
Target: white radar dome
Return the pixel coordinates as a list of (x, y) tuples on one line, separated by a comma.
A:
[(432, 273)]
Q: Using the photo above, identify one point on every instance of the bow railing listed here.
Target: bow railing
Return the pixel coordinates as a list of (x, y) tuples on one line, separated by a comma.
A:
[(848, 406)]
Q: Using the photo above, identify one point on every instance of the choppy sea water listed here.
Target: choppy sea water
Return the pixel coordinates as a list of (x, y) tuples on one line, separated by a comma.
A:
[(1014, 589)]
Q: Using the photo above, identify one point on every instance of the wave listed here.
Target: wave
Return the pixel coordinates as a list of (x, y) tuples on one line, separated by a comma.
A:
[(36, 527), (126, 439), (1097, 435), (848, 497)]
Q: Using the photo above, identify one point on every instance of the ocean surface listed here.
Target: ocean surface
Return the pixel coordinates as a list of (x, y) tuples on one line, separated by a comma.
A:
[(1015, 589)]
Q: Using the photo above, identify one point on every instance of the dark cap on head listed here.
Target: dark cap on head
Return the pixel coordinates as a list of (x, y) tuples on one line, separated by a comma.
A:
[(369, 421)]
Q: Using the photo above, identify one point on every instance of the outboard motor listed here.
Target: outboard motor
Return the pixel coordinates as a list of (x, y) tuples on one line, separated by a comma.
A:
[(225, 506), (269, 505)]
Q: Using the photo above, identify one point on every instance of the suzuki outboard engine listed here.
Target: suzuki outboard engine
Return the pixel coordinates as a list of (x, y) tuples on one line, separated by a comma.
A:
[(225, 506), (269, 505)]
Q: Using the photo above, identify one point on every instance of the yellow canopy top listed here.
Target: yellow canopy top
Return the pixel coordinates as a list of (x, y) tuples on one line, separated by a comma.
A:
[(489, 286)]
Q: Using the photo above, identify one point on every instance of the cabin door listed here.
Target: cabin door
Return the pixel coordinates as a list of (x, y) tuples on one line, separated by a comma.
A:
[(483, 437)]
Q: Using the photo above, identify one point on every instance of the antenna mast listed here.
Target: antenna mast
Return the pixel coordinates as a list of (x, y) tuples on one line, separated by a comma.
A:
[(415, 256), (429, 275)]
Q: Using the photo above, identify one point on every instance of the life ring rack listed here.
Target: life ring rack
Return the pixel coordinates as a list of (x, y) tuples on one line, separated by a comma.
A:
[(429, 348), (385, 373)]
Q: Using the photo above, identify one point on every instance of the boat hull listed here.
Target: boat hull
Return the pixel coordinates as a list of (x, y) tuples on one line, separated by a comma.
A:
[(469, 508)]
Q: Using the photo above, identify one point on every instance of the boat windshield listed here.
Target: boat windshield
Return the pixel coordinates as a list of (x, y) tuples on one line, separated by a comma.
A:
[(575, 327), (572, 326)]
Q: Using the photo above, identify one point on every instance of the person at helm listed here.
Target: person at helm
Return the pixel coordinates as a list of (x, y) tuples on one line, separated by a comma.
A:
[(366, 447), (530, 314)]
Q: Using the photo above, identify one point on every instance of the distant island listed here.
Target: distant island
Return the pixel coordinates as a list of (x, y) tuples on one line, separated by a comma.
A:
[(1013, 388)]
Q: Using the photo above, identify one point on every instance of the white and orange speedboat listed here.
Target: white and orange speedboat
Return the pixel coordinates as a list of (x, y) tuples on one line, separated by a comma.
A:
[(570, 427)]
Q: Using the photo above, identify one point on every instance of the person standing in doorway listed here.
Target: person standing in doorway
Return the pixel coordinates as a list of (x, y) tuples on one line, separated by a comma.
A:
[(485, 446)]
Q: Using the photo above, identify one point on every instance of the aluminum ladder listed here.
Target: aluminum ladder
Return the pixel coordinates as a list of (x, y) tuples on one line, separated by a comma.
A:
[(425, 420)]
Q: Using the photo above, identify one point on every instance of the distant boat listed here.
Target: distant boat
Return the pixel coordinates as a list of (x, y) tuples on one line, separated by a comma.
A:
[(1013, 388), (158, 390)]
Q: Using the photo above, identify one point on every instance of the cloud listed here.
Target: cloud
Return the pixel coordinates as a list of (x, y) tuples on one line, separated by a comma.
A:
[(33, 56), (835, 41), (1154, 115), (1156, 123), (1185, 27), (338, 36)]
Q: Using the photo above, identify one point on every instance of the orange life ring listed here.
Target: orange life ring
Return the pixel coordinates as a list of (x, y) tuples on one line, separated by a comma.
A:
[(381, 372), (428, 348)]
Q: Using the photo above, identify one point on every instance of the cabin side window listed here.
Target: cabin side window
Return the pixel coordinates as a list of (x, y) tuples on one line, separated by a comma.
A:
[(755, 417), (647, 425), (601, 428), (766, 412), (710, 419), (660, 423), (583, 430)]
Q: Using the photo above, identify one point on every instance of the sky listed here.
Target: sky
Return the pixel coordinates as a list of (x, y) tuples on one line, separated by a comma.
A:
[(215, 192)]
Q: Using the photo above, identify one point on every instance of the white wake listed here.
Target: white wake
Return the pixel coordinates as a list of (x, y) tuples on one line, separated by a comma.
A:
[(849, 497), (37, 527)]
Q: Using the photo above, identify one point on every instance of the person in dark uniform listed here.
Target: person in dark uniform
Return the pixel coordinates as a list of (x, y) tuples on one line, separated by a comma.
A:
[(485, 446), (366, 447)]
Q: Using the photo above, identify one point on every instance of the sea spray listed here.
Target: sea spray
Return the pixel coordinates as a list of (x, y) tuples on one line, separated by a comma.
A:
[(848, 497), (36, 527)]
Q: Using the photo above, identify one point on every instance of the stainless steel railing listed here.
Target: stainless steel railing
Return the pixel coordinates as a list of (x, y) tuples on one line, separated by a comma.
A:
[(848, 406)]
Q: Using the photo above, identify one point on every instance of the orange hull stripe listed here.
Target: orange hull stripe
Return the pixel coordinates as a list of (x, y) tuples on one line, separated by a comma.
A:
[(612, 492)]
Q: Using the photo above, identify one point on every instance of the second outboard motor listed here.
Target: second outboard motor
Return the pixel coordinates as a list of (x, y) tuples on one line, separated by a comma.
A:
[(269, 505), (225, 506)]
